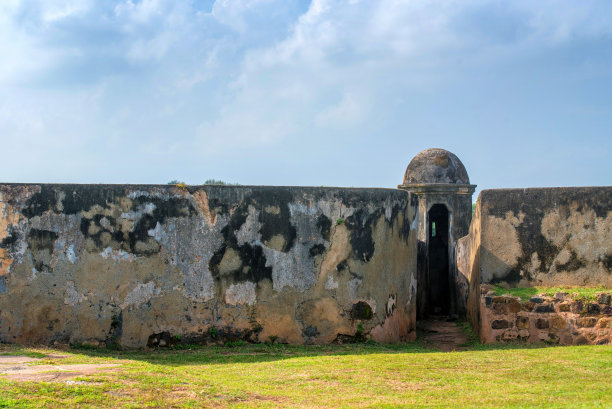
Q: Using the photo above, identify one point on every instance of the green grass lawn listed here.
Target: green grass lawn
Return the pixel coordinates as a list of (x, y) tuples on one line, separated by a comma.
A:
[(586, 293), (347, 376)]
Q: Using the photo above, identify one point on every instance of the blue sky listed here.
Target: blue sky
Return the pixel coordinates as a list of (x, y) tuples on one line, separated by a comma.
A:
[(284, 92)]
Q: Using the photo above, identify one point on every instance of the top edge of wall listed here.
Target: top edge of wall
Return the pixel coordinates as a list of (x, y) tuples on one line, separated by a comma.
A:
[(544, 189), (190, 187)]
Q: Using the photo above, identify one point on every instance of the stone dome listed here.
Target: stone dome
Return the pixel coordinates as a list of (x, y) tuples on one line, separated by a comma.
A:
[(436, 166)]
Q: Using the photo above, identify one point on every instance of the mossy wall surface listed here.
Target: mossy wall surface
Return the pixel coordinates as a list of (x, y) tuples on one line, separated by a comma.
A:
[(546, 237), (149, 264)]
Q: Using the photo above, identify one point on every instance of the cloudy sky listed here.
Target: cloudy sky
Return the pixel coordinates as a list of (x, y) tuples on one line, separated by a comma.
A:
[(288, 92)]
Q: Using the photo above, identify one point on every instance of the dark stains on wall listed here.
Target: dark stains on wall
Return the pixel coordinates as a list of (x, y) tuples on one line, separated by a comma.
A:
[(41, 240), (164, 208), (273, 223), (122, 217), (361, 311), (116, 330), (252, 259), (404, 230), (360, 226), (252, 268), (310, 332), (71, 199), (317, 250), (324, 224), (513, 277), (10, 239), (41, 244), (535, 203), (574, 263), (275, 220)]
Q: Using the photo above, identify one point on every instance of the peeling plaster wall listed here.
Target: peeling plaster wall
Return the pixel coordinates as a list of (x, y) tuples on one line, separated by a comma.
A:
[(136, 265), (537, 237), (547, 236)]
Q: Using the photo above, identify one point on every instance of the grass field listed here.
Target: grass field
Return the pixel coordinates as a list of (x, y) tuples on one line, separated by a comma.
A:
[(525, 293), (348, 376)]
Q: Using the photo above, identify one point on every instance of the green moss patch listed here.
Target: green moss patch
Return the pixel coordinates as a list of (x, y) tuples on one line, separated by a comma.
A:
[(585, 293)]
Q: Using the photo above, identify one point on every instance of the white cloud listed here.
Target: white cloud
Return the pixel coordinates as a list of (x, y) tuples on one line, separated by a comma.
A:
[(349, 111), (153, 76)]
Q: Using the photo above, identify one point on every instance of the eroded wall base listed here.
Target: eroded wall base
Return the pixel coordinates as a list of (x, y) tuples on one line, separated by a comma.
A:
[(554, 320)]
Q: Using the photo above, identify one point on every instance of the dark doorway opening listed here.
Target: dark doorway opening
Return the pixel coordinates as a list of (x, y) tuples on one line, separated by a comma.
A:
[(438, 279)]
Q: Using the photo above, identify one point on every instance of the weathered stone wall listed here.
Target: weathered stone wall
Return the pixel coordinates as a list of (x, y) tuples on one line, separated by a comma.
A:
[(561, 319), (468, 269), (137, 265), (547, 236), (537, 237)]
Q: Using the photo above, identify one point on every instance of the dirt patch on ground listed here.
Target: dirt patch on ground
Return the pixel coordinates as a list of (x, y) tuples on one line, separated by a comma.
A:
[(443, 334), (23, 368)]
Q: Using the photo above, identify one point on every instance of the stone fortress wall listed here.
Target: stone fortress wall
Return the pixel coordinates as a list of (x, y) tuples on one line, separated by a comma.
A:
[(137, 265), (539, 237), (150, 265)]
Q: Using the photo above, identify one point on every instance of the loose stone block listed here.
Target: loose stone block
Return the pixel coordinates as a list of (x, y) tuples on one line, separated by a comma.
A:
[(527, 306), (523, 334), (553, 338), (564, 307), (605, 323), (557, 323), (603, 298), (500, 307), (500, 324), (586, 322), (594, 309), (522, 322), (510, 335), (536, 300), (544, 308), (580, 340), (514, 306), (576, 307), (543, 336), (541, 323)]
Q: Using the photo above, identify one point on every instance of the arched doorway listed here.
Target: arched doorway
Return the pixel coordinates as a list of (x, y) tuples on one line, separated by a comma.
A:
[(438, 279)]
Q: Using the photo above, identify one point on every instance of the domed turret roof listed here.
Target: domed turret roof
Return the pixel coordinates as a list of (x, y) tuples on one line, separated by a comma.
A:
[(436, 166)]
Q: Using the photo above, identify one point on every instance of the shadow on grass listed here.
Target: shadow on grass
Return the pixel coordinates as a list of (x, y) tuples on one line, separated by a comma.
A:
[(254, 353), (185, 354)]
